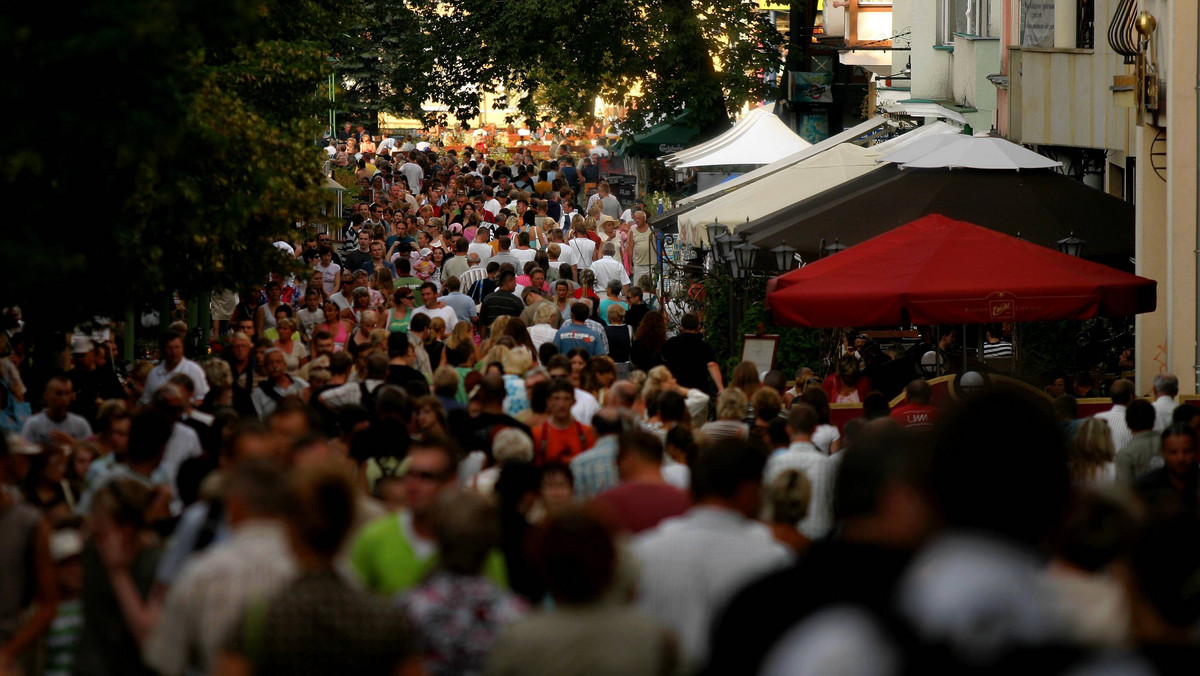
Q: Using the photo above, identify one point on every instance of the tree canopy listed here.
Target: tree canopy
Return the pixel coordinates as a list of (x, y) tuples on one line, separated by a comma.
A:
[(554, 57), (166, 144)]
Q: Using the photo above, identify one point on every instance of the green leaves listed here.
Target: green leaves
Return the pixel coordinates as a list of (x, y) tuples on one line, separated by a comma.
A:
[(555, 58), (175, 149)]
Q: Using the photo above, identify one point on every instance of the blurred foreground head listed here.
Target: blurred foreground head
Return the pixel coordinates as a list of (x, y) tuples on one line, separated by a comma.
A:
[(999, 466)]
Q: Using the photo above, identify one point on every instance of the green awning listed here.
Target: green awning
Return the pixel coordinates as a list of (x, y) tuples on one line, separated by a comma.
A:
[(659, 140)]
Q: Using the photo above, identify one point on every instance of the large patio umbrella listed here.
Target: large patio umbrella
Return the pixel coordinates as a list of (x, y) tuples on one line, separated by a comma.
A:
[(960, 151), (1039, 205), (938, 270)]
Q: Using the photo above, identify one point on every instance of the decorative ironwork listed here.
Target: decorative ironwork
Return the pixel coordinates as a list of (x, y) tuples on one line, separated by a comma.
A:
[(1122, 35)]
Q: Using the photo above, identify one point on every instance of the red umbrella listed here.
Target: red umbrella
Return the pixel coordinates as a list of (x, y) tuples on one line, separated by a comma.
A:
[(937, 270)]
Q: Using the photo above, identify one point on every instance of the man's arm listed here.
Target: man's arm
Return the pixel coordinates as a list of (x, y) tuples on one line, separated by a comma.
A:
[(45, 600), (715, 371)]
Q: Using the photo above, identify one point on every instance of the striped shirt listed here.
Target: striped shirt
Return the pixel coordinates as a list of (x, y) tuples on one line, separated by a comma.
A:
[(997, 350), (1118, 429), (62, 637), (213, 590)]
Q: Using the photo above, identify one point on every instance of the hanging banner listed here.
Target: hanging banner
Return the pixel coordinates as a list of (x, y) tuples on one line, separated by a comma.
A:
[(812, 87)]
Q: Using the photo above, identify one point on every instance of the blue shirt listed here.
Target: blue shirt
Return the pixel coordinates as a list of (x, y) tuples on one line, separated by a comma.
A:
[(462, 305), (572, 335)]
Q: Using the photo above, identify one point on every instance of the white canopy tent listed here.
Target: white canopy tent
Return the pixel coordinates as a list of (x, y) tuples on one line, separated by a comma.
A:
[(969, 152), (777, 166), (914, 141), (778, 191), (758, 138)]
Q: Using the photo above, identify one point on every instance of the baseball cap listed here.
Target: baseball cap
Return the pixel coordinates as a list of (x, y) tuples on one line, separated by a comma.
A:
[(65, 544)]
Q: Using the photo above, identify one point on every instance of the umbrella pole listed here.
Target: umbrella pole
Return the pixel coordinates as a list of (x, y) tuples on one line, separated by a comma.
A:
[(964, 348)]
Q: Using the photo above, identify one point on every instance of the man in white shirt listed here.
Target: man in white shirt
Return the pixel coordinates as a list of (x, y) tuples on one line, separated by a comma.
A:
[(412, 172), (252, 564), (692, 565), (490, 202), (804, 456), (55, 424), (522, 252), (434, 307), (1121, 393), (609, 268), (480, 247), (174, 362), (1166, 388)]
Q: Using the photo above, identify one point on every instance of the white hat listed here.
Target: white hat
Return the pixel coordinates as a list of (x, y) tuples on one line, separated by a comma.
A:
[(426, 251), (81, 345), (65, 544)]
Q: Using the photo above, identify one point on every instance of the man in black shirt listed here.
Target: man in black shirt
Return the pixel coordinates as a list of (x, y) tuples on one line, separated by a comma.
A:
[(503, 301), (474, 433), (637, 309), (690, 359)]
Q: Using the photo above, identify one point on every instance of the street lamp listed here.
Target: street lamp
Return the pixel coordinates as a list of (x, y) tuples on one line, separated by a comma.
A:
[(723, 246), (1072, 245), (746, 255), (835, 247), (785, 257), (715, 230)]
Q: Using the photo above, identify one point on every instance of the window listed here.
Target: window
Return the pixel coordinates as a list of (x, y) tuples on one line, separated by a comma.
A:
[(969, 17)]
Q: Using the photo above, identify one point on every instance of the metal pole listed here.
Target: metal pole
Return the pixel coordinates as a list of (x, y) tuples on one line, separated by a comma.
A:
[(964, 348), (127, 348), (1196, 196)]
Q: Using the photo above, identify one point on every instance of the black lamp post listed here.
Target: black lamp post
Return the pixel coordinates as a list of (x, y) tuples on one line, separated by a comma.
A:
[(715, 231), (745, 255), (1072, 245), (835, 247), (785, 257)]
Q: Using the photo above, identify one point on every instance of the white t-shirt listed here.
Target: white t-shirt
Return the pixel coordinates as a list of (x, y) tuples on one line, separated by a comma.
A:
[(329, 276), (565, 254), (584, 249), (824, 436), (483, 249), (524, 255), (447, 314)]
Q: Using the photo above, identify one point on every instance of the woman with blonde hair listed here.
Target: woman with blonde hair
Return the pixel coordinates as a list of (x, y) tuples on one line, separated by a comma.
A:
[(787, 500), (494, 356), (516, 362), (495, 332), (462, 339), (385, 284), (660, 378), (1091, 454), (295, 354), (731, 408)]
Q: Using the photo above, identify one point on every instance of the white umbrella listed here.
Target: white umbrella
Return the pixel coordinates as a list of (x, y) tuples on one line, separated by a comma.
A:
[(599, 150), (987, 152)]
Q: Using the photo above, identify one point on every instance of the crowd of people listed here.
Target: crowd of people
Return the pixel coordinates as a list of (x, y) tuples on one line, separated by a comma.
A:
[(523, 472)]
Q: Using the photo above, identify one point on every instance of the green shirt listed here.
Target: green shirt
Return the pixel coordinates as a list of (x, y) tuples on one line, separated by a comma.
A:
[(410, 282), (386, 562)]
